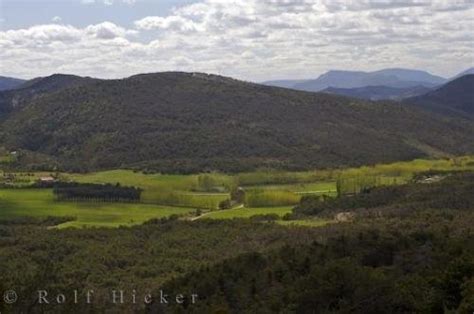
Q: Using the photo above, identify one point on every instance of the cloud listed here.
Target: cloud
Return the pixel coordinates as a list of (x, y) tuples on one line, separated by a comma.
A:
[(107, 30), (56, 19), (174, 23), (253, 39)]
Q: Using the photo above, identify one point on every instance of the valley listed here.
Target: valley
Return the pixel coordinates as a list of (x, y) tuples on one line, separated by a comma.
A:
[(269, 196), (112, 185), (265, 258), (236, 157)]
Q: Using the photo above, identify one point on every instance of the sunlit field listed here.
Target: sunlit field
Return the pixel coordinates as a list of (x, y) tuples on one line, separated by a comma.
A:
[(41, 203), (266, 193), (247, 212)]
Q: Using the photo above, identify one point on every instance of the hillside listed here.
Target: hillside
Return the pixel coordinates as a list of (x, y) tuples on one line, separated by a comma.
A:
[(189, 122), (29, 90), (378, 92), (465, 72), (9, 83), (453, 98), (404, 258), (283, 83)]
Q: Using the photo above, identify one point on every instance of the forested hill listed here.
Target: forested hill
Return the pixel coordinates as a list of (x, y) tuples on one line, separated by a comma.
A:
[(188, 122), (23, 94), (454, 98)]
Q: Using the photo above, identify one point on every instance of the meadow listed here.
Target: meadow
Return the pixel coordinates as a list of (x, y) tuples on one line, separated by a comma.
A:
[(247, 212), (266, 192), (40, 203)]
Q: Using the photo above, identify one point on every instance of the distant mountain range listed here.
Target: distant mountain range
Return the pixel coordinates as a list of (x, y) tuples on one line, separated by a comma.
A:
[(466, 72), (396, 78), (9, 83), (394, 84), (379, 92), (284, 83), (194, 122)]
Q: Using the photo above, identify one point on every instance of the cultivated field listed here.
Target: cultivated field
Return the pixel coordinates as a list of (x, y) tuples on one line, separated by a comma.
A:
[(266, 193), (247, 212), (41, 203)]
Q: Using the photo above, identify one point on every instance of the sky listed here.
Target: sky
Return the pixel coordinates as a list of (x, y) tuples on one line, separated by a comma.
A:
[(254, 40)]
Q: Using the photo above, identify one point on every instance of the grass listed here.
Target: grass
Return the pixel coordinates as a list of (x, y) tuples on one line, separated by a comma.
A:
[(305, 222), (40, 203), (401, 170), (273, 192), (248, 212), (171, 190), (280, 211), (315, 187), (270, 198), (148, 182)]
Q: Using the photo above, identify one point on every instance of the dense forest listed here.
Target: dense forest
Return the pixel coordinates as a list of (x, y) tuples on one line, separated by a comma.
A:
[(407, 250), (192, 122), (141, 258), (418, 258)]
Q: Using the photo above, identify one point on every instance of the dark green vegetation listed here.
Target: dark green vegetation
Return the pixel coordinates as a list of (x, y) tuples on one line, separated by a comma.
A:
[(180, 122), (456, 98), (452, 192), (414, 254), (141, 258), (98, 192), (409, 249), (23, 94), (406, 248)]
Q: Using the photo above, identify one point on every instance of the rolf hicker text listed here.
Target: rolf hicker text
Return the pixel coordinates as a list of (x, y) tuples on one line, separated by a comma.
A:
[(115, 297)]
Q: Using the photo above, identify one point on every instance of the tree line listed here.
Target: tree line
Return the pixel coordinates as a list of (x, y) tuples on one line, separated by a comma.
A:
[(67, 191)]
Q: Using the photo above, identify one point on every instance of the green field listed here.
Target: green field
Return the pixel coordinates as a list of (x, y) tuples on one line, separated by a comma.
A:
[(138, 179), (271, 192), (40, 203), (251, 212), (170, 190), (247, 212)]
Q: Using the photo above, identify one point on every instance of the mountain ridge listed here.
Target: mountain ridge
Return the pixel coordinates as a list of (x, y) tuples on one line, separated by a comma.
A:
[(378, 92), (192, 122), (7, 83), (390, 77), (454, 98), (28, 90)]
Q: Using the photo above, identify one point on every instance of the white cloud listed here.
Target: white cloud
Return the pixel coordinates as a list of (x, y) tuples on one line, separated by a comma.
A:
[(56, 19), (254, 39), (174, 23), (107, 30)]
